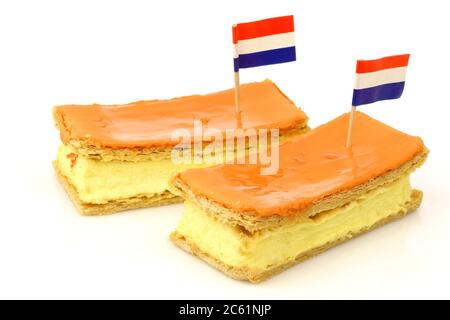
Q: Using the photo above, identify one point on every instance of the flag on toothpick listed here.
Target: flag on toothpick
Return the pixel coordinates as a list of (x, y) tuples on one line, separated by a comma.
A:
[(380, 79), (376, 80), (262, 42)]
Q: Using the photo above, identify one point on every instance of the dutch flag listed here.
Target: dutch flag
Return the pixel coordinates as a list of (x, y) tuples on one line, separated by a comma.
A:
[(380, 79), (263, 42)]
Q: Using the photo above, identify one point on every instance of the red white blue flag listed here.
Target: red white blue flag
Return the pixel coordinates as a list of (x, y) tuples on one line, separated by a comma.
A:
[(263, 42), (380, 79)]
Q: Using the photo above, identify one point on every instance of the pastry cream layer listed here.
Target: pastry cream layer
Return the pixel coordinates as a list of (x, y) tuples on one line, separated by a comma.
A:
[(99, 181), (273, 247)]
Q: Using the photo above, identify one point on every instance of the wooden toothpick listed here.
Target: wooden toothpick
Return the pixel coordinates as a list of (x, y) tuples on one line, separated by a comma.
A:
[(237, 92), (351, 123)]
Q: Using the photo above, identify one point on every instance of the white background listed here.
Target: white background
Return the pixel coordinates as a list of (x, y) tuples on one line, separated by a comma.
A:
[(58, 52)]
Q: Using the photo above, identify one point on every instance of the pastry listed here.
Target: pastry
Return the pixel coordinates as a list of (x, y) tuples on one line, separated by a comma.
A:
[(252, 226), (119, 157)]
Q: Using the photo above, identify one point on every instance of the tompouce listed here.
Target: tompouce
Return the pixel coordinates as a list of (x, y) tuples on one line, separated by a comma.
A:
[(252, 226), (118, 157)]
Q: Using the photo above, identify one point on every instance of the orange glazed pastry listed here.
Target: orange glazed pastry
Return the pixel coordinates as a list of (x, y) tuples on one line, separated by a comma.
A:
[(251, 226), (118, 157)]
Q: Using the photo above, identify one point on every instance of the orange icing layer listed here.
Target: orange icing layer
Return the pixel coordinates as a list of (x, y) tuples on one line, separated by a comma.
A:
[(151, 123), (313, 166)]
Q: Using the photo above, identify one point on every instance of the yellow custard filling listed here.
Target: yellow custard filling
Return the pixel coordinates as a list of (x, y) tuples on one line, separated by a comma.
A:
[(99, 181), (269, 248)]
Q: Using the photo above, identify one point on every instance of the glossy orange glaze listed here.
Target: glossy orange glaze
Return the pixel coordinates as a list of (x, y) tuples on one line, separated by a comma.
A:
[(151, 123), (73, 159), (313, 166)]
